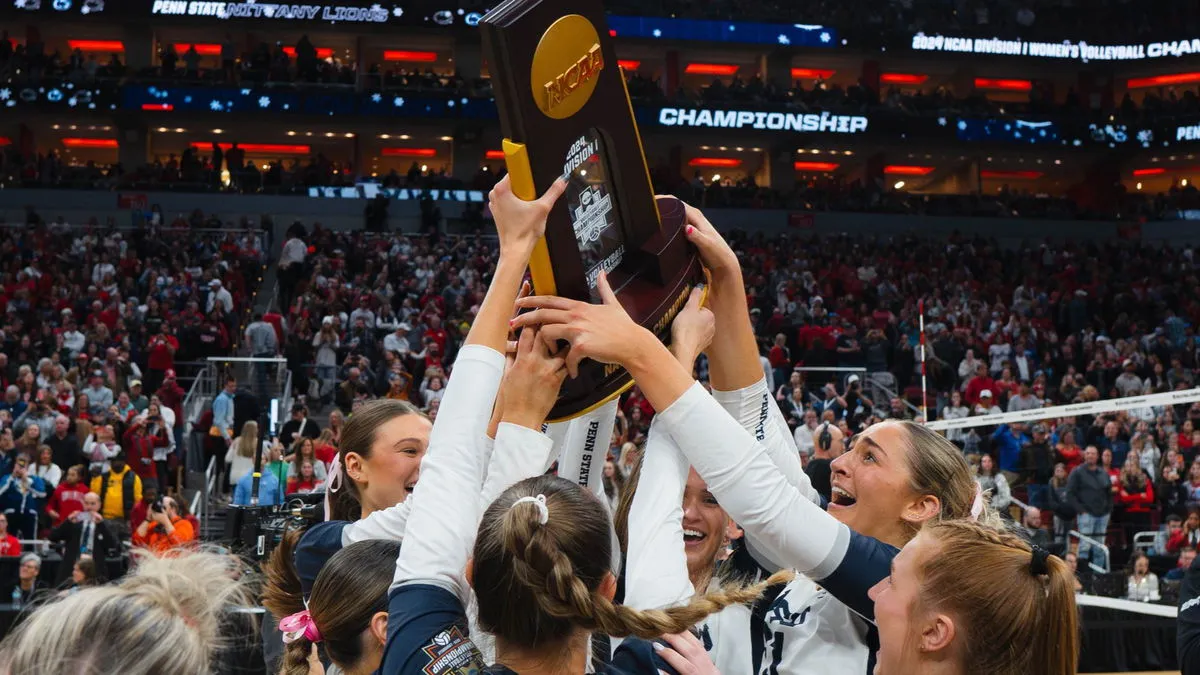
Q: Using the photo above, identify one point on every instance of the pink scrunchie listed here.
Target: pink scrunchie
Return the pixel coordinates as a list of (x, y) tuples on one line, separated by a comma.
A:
[(299, 625)]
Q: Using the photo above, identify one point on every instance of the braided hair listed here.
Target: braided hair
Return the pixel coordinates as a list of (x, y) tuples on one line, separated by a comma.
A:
[(1014, 603), (543, 576)]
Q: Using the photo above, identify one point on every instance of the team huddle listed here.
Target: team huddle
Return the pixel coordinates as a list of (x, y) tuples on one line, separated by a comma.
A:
[(452, 547)]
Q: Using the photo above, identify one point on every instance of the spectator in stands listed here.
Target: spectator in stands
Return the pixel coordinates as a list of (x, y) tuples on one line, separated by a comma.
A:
[(270, 487), (1114, 439), (1186, 557), (828, 444), (305, 481), (240, 458), (99, 396), (1143, 584), (1172, 494), (1069, 452), (352, 389), (164, 528), (45, 468), (1188, 536), (85, 534), (9, 545), (1173, 524), (141, 446), (993, 484), (1072, 561), (67, 499), (1033, 531), (326, 342), (142, 508), (161, 356), (304, 449), (119, 488), (1090, 493), (804, 433), (298, 425), (27, 582), (1009, 441), (22, 496), (1038, 465)]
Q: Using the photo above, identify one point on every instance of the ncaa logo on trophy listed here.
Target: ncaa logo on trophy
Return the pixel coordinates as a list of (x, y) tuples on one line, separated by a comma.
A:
[(565, 112)]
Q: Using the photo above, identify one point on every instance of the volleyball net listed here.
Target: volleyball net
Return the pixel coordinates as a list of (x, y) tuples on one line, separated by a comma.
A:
[(1170, 398)]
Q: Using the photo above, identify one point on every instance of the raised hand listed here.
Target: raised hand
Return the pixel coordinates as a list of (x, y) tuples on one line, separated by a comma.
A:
[(520, 223), (603, 332), (693, 329), (715, 252), (531, 384)]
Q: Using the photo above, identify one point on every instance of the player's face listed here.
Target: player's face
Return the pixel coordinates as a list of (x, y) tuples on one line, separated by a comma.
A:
[(704, 524), (871, 484), (895, 601), (391, 473)]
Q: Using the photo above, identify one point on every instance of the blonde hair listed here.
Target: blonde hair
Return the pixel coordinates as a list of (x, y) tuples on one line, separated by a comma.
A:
[(538, 583), (937, 468), (1012, 621), (165, 617), (248, 439)]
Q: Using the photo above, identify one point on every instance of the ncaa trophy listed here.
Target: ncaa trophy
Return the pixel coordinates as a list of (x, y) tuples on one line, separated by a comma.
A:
[(565, 112)]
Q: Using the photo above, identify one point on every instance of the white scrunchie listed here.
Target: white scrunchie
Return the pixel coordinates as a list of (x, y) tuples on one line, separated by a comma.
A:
[(539, 502)]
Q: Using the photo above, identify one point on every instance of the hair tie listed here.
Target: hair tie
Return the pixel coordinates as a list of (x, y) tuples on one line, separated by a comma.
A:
[(977, 505), (299, 625), (1037, 566), (333, 483), (539, 502)]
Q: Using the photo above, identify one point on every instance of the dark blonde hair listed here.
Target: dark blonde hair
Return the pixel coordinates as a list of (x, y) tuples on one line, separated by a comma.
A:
[(937, 467), (350, 589), (1012, 621), (538, 584), (358, 435)]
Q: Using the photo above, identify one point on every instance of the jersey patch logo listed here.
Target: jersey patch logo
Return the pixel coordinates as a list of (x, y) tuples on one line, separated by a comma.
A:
[(781, 612), (450, 653)]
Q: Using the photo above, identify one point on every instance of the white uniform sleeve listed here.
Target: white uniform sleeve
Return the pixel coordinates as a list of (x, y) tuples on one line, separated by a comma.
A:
[(520, 453), (656, 574), (755, 409), (785, 523), (390, 524), (441, 527), (585, 448)]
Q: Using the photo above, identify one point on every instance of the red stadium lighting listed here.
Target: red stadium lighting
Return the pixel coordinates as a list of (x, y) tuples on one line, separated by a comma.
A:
[(410, 56), (908, 79), (718, 69), (157, 107), (96, 45), (409, 152), (1003, 85), (1011, 174), (812, 73), (495, 154), (902, 170), (90, 143), (821, 167), (260, 148), (629, 65), (1156, 171), (1163, 80), (4, 140), (322, 52), (202, 50), (715, 162)]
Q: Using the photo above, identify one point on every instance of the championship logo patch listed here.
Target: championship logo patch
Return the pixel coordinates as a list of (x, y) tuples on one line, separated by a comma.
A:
[(450, 653)]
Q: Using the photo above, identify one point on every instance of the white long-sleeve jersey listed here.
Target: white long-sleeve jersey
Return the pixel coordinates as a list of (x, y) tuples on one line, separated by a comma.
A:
[(809, 629)]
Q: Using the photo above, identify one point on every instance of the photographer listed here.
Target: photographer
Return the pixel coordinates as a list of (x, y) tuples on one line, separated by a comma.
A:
[(164, 528)]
